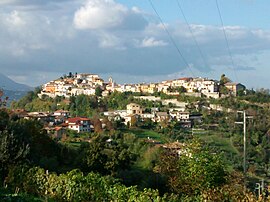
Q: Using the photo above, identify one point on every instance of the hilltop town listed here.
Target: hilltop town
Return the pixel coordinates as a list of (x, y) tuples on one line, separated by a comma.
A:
[(77, 84), (170, 109)]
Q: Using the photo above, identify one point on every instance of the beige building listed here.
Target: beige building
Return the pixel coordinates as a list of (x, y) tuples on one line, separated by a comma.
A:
[(134, 108), (161, 116), (235, 87)]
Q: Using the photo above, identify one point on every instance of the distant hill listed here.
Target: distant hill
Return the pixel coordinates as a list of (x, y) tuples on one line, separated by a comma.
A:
[(13, 95), (8, 84)]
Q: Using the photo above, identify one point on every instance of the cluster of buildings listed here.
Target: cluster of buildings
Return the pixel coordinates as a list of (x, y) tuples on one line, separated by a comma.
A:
[(76, 84), (72, 85), (205, 86), (135, 112), (56, 123)]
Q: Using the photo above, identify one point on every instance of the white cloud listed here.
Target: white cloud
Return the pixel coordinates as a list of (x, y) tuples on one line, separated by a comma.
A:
[(136, 10), (110, 41), (108, 14), (262, 34), (7, 1), (15, 19), (24, 33), (152, 42), (99, 14), (236, 32), (30, 2)]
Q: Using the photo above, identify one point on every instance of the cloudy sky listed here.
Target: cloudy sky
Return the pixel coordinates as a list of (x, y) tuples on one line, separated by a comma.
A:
[(42, 40)]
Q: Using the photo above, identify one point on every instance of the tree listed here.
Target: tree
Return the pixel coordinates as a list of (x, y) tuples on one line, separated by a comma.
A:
[(194, 170), (147, 124), (224, 79), (97, 125), (70, 75), (13, 148), (181, 89), (222, 82), (106, 154), (98, 91), (4, 119), (3, 101), (108, 124)]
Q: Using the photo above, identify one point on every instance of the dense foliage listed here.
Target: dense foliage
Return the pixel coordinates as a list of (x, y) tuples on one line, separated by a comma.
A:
[(195, 170), (106, 154), (75, 186)]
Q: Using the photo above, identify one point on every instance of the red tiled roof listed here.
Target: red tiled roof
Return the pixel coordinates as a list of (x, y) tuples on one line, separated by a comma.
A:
[(57, 128), (60, 110), (64, 124), (76, 119), (185, 78)]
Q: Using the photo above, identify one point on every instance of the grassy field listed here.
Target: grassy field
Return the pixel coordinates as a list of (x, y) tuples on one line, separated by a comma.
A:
[(73, 145), (223, 143), (216, 139), (145, 134)]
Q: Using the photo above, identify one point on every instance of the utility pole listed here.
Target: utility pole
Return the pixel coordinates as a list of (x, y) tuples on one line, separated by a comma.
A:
[(245, 117), (262, 186), (258, 187)]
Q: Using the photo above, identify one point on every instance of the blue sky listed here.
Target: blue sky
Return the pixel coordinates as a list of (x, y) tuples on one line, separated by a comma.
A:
[(42, 40), (249, 13)]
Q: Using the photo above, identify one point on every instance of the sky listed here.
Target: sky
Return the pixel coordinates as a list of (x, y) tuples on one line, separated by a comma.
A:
[(133, 41)]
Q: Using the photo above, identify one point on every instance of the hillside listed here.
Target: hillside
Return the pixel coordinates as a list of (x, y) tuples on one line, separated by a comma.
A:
[(148, 143)]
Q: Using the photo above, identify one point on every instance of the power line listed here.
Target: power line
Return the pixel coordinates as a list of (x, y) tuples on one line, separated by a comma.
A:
[(192, 34), (226, 39), (171, 38)]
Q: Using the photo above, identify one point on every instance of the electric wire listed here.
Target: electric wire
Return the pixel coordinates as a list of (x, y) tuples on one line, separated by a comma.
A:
[(226, 39), (192, 33), (171, 38)]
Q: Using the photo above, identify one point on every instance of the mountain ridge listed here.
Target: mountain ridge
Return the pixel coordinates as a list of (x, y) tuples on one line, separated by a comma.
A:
[(8, 84)]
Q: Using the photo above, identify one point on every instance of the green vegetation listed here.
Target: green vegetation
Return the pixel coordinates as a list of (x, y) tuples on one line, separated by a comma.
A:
[(146, 134), (106, 154), (196, 169), (98, 91), (75, 186), (9, 196), (120, 163)]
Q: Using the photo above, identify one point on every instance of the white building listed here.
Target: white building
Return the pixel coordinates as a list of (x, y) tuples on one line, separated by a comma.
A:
[(79, 124)]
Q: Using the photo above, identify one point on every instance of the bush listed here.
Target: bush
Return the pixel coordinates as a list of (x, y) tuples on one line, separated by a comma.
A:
[(74, 186)]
